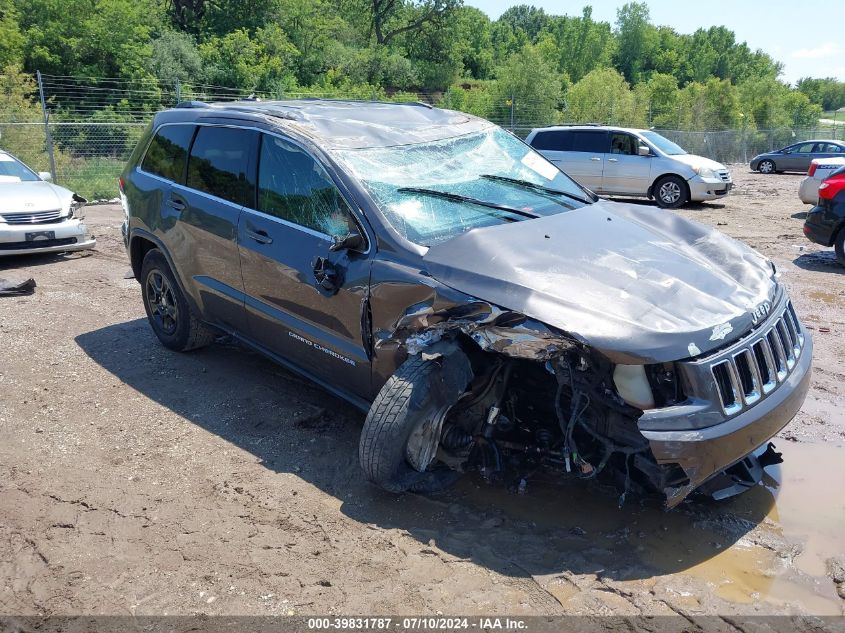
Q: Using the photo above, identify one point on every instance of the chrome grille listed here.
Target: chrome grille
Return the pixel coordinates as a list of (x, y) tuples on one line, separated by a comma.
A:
[(761, 364), (725, 175), (32, 217)]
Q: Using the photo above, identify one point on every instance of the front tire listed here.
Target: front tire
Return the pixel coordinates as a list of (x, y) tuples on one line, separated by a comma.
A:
[(671, 192), (839, 246), (407, 403), (168, 312), (766, 167)]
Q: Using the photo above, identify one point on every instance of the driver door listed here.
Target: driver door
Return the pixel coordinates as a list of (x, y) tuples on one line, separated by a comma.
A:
[(284, 244)]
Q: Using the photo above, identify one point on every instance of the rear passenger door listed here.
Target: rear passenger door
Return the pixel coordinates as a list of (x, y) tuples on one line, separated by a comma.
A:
[(625, 171), (284, 245), (220, 180)]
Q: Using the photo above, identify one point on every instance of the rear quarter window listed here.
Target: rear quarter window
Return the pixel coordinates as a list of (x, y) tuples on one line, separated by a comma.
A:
[(555, 141), (168, 152)]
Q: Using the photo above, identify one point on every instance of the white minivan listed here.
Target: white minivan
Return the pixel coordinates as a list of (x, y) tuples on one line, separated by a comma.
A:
[(628, 162)]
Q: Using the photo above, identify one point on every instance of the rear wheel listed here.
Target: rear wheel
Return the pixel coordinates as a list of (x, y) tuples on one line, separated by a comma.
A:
[(170, 316), (766, 167), (402, 431), (839, 246), (671, 192)]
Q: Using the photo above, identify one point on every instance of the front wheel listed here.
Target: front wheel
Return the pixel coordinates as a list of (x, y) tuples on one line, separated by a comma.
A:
[(766, 167), (839, 246), (671, 192), (402, 431)]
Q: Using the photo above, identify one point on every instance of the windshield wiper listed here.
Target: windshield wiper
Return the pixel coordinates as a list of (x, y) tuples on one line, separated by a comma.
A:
[(456, 197), (531, 185)]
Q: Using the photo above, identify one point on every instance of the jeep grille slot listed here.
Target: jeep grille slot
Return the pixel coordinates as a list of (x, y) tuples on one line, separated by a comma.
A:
[(746, 375)]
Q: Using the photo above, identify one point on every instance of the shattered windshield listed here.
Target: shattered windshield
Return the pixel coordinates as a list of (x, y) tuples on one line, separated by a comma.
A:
[(431, 192)]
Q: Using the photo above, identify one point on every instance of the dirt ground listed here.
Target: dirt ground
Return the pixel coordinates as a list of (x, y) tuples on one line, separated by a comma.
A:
[(134, 480)]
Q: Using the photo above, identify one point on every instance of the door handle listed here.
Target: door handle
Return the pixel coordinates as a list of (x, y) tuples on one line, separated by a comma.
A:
[(259, 236), (176, 203), (595, 158), (612, 160)]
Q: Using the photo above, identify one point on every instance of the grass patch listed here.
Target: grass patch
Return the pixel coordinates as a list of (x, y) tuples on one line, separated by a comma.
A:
[(91, 178)]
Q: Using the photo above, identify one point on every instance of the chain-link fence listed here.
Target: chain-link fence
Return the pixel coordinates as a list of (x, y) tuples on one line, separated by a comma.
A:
[(83, 129)]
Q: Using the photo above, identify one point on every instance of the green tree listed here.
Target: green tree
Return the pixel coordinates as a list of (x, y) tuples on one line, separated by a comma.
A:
[(175, 57), (11, 38), (531, 85), (603, 96), (264, 63), (579, 44), (526, 17), (637, 40)]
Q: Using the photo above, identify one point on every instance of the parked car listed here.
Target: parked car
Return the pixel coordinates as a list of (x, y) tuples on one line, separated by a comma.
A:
[(796, 157), (37, 216), (820, 168), (825, 223), (628, 162), (486, 311)]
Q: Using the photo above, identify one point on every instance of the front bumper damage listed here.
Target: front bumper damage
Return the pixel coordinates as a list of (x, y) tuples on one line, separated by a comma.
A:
[(718, 454), (55, 237)]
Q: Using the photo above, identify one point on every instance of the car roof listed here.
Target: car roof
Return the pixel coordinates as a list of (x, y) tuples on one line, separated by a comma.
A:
[(343, 124), (610, 128)]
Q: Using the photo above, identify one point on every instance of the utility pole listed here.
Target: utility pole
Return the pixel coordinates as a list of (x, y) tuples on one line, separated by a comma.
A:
[(48, 137)]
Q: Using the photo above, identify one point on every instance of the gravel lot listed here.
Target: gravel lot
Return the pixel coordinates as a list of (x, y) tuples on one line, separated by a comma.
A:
[(134, 480)]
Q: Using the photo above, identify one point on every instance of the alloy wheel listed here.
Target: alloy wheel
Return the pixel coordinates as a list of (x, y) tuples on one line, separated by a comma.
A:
[(162, 302), (670, 192)]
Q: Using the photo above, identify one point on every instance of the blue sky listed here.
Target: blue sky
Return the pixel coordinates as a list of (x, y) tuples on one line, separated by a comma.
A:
[(807, 37)]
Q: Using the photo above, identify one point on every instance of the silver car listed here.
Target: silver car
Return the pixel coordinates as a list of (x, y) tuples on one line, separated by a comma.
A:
[(630, 162), (37, 216), (797, 157), (820, 168)]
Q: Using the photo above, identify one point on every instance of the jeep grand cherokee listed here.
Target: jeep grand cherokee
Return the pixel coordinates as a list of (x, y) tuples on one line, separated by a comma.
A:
[(486, 311)]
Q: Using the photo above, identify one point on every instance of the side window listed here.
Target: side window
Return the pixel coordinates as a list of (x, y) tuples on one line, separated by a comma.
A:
[(590, 141), (219, 163), (294, 187), (830, 148), (555, 141), (168, 152), (621, 143), (805, 148)]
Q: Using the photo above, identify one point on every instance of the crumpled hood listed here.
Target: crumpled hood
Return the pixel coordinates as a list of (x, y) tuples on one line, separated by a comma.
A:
[(637, 283), (17, 197), (696, 161)]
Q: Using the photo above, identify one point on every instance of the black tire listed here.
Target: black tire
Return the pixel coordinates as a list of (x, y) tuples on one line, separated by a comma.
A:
[(839, 246), (168, 312), (766, 166), (403, 403), (670, 192)]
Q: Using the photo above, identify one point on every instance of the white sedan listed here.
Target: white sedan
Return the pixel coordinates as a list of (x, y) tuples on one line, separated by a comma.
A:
[(820, 168), (37, 216)]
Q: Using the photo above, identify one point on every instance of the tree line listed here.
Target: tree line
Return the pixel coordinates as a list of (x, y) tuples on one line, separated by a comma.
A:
[(528, 64)]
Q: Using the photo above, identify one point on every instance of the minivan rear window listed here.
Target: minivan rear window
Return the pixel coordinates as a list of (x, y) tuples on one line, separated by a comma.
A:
[(168, 152), (590, 141), (554, 141), (220, 161)]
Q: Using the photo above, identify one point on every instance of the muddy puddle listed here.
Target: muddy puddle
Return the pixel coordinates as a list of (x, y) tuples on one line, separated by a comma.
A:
[(769, 546)]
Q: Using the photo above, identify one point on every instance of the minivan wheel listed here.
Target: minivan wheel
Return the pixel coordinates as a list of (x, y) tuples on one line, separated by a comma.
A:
[(168, 311), (766, 167), (402, 432), (670, 192), (839, 246)]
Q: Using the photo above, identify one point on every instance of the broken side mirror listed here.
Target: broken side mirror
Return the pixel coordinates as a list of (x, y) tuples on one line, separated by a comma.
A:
[(643, 150), (349, 242)]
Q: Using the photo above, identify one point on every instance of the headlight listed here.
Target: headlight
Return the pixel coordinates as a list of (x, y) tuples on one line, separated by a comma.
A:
[(632, 384), (75, 209), (706, 172)]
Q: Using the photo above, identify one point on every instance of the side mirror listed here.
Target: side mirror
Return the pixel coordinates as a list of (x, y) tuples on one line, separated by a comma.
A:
[(643, 150), (45, 175), (349, 242)]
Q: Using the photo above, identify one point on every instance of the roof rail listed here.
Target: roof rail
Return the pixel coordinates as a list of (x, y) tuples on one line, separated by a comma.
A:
[(192, 104)]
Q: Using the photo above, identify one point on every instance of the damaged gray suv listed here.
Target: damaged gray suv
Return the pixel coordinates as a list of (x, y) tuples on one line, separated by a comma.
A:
[(486, 312)]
